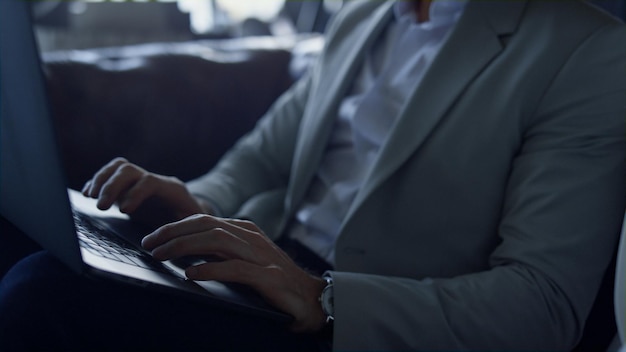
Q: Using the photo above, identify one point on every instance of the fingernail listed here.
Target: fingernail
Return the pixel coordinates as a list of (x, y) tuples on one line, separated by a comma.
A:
[(157, 253), (191, 272), (124, 207), (103, 202), (145, 242)]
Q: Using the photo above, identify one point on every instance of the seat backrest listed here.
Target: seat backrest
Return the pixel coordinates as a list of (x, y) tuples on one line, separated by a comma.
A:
[(606, 324), (620, 288), (615, 7), (600, 327)]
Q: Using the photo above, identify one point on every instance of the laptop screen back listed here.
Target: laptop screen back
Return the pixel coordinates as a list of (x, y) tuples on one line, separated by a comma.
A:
[(33, 193)]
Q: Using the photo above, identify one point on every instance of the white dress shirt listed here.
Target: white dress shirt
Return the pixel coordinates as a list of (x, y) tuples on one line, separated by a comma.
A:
[(390, 73)]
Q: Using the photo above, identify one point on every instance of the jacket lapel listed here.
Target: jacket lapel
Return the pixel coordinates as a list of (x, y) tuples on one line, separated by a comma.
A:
[(474, 42), (319, 119)]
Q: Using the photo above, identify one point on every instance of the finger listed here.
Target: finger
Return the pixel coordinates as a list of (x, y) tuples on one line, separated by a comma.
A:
[(172, 230), (194, 224), (250, 232), (117, 184), (287, 288), (214, 242), (86, 188), (248, 225), (256, 236), (145, 187), (235, 270), (93, 186), (269, 281)]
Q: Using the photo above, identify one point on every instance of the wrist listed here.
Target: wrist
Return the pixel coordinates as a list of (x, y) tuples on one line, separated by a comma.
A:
[(319, 317), (312, 319)]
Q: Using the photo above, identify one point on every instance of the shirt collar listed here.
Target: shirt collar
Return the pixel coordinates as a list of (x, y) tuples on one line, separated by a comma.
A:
[(440, 10)]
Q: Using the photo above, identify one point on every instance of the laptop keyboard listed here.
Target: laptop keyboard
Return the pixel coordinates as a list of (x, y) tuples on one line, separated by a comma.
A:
[(100, 241)]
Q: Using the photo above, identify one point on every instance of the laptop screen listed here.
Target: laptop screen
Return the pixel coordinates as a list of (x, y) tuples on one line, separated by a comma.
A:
[(33, 193)]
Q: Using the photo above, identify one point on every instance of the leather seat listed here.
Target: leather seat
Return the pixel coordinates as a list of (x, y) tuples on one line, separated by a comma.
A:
[(620, 295)]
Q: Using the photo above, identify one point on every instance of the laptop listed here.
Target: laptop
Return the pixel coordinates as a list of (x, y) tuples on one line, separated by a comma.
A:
[(34, 194)]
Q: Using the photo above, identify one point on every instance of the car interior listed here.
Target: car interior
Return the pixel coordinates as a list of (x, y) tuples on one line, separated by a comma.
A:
[(152, 81)]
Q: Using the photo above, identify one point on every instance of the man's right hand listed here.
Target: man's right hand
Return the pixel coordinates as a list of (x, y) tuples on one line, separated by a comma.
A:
[(151, 199)]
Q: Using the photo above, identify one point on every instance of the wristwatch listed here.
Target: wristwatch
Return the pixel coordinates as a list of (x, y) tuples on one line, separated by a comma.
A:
[(327, 299)]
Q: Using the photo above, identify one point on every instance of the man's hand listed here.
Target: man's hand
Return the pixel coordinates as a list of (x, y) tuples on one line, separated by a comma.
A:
[(146, 197), (249, 258)]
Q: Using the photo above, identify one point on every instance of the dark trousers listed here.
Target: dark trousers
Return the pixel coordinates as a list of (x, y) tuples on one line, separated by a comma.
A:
[(45, 306)]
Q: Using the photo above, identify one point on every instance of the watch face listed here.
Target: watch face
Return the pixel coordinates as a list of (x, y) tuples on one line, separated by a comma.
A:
[(328, 303)]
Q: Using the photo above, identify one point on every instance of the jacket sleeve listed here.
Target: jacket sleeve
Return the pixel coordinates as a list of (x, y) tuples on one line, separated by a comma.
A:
[(261, 160)]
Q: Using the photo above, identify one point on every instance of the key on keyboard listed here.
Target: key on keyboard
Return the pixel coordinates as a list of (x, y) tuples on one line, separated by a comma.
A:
[(100, 241)]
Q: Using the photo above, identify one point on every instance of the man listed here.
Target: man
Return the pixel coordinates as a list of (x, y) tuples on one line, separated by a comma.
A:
[(458, 166)]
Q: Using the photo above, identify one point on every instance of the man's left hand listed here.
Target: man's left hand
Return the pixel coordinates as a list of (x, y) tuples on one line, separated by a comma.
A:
[(249, 258)]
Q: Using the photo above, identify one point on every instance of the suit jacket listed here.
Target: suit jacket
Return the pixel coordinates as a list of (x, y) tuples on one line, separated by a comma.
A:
[(493, 209)]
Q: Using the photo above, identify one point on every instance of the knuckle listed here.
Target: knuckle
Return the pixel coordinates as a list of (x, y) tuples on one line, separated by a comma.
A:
[(219, 234), (100, 177), (166, 230), (150, 177), (173, 179), (250, 225), (126, 168), (117, 162), (258, 239), (206, 221), (148, 180), (195, 217)]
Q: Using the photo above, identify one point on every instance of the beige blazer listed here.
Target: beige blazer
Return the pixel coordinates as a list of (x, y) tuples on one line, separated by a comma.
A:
[(492, 211)]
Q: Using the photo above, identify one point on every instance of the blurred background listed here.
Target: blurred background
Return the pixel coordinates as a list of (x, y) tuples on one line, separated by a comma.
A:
[(96, 23)]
